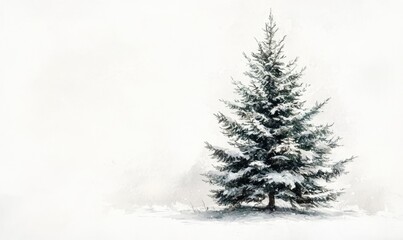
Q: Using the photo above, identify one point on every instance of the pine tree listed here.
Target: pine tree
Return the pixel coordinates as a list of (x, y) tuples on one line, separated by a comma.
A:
[(276, 150)]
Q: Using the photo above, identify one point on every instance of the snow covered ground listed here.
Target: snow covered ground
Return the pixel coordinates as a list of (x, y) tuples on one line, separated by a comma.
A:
[(181, 222)]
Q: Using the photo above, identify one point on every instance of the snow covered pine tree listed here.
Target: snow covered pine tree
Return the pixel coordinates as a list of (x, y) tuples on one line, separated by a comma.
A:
[(277, 151)]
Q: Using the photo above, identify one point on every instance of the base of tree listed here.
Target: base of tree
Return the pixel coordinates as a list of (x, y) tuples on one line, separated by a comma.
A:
[(270, 208)]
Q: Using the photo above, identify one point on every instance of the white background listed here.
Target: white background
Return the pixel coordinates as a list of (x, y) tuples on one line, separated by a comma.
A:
[(109, 102)]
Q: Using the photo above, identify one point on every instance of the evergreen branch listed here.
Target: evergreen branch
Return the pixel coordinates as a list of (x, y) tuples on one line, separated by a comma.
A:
[(225, 155)]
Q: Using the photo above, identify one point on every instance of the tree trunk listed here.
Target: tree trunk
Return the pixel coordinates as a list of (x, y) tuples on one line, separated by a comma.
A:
[(272, 201)]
